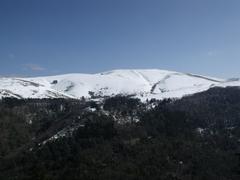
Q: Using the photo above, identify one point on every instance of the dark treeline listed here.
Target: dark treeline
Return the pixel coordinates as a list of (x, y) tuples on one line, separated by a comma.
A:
[(194, 138)]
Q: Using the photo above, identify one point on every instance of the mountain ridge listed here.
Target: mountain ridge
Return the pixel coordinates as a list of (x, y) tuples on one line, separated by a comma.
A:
[(140, 83)]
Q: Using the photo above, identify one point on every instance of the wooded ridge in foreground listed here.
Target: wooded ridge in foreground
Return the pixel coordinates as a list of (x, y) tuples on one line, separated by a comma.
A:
[(196, 137)]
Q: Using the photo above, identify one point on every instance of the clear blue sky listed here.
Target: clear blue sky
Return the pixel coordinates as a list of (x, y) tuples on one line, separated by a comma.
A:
[(45, 37)]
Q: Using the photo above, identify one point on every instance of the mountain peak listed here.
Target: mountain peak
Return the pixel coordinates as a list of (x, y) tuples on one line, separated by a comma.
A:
[(141, 83)]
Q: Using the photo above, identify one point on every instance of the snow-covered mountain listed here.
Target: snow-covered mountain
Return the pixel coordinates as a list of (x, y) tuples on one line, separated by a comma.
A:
[(144, 84)]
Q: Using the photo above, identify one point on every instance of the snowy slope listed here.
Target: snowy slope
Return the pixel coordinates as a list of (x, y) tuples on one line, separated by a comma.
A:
[(25, 88), (144, 84)]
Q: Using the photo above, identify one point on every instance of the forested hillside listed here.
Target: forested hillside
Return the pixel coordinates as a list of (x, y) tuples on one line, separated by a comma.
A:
[(196, 137)]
